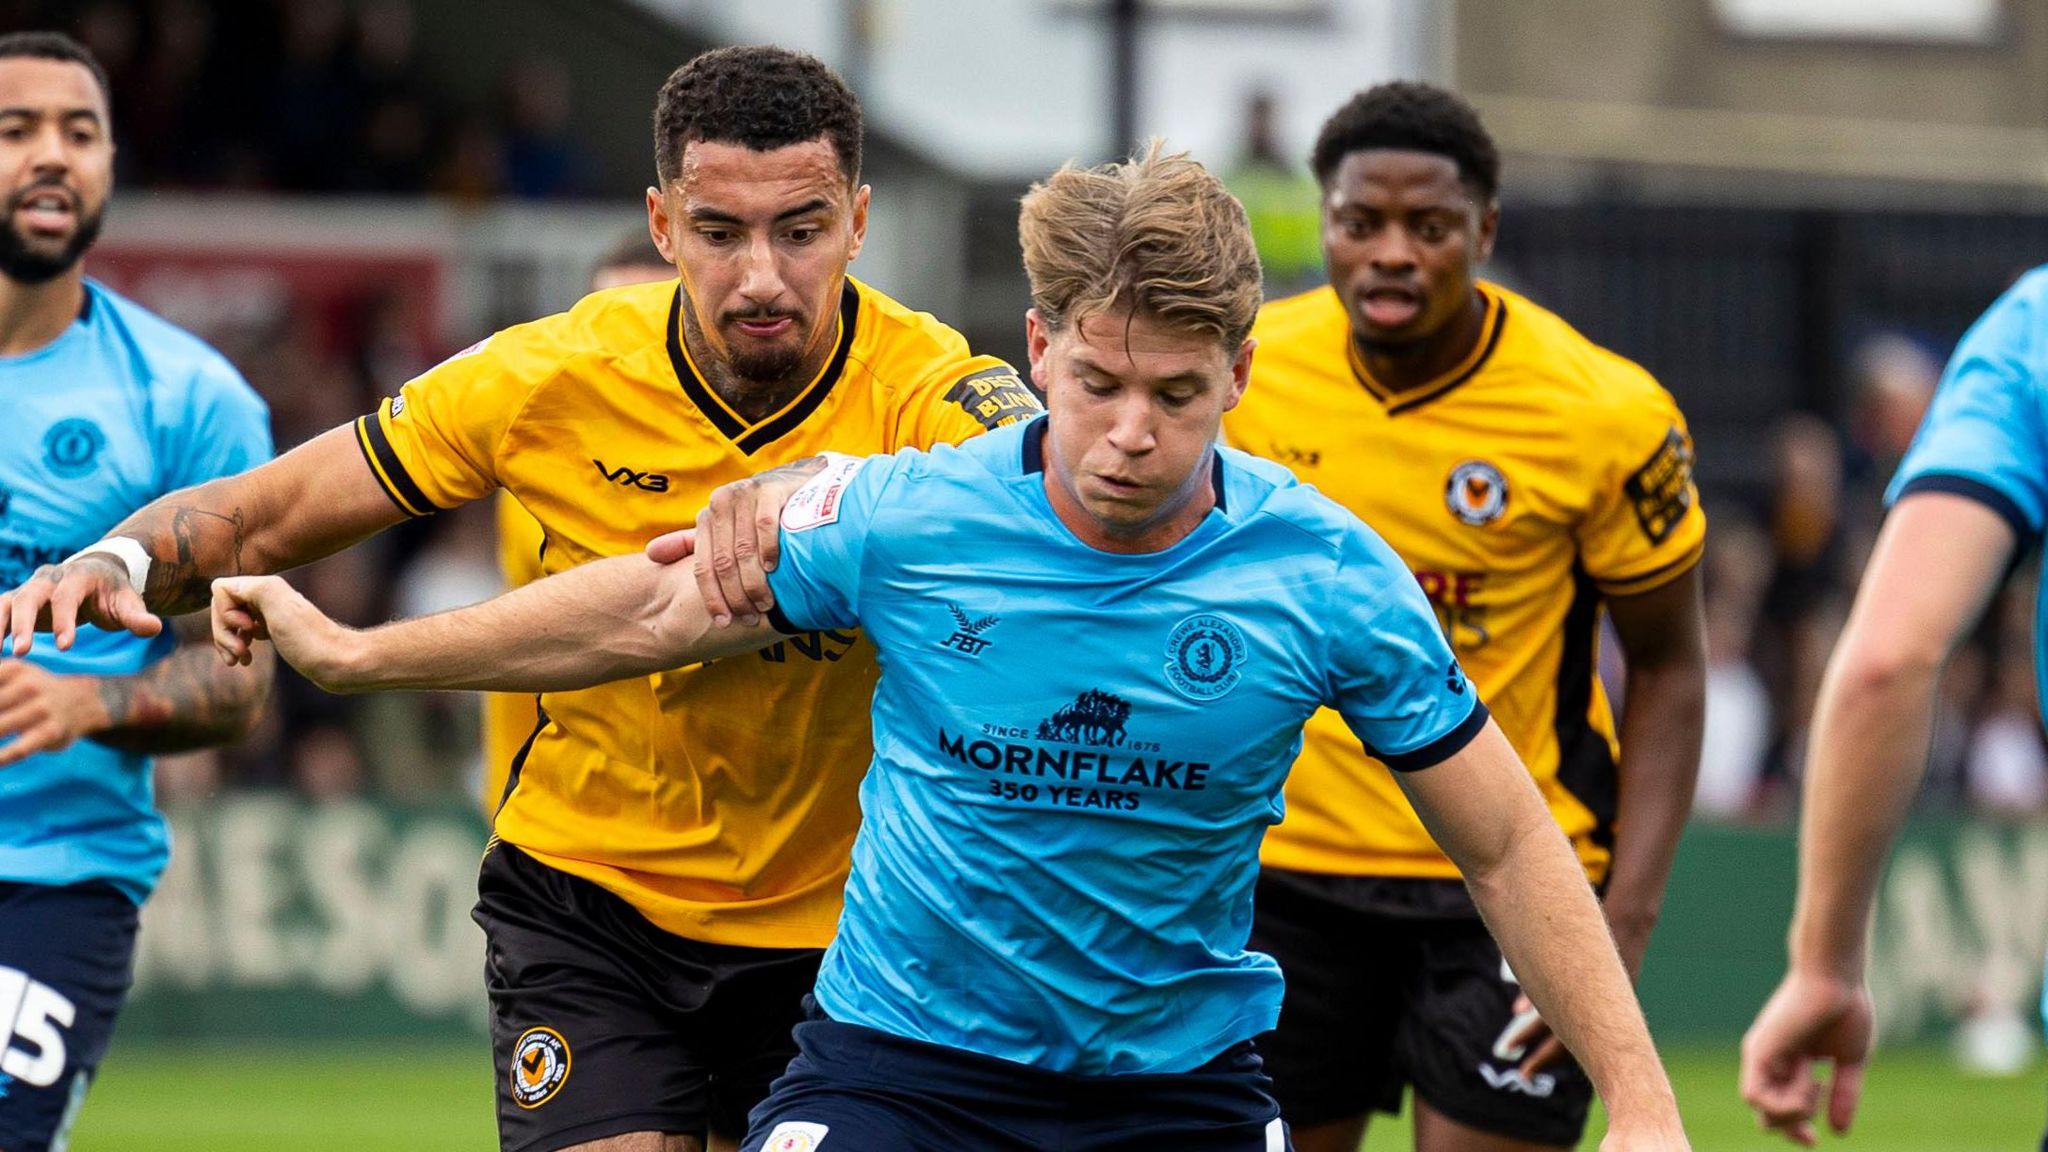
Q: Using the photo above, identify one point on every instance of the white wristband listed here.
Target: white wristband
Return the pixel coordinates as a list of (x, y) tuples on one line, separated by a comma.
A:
[(128, 551)]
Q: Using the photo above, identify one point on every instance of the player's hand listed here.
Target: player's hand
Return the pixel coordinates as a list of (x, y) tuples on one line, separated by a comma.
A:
[(739, 541), (92, 589), (1810, 1018), (251, 608), (41, 711), (1528, 1040)]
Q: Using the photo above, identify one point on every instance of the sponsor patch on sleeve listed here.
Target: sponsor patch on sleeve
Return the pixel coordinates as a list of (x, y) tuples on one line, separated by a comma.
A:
[(995, 397), (472, 350), (816, 504), (795, 1136), (1661, 490)]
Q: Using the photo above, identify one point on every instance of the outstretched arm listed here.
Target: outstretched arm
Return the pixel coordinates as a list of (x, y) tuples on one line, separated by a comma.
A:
[(184, 701), (608, 620), (1483, 808), (1936, 565), (314, 500)]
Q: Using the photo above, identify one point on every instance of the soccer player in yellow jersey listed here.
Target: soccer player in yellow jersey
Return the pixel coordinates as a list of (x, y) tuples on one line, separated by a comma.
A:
[(510, 717), (668, 861), (1531, 480)]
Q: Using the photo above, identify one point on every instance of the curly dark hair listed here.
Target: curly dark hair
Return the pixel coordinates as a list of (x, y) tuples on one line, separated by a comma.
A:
[(1411, 116), (759, 97), (56, 46)]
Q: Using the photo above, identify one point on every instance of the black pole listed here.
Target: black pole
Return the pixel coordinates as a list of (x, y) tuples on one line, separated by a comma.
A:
[(1124, 16)]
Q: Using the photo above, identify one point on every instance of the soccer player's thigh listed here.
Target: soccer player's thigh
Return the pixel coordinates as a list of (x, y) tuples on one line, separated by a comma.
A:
[(586, 1045), (1470, 1094), (756, 1001), (66, 959), (1332, 1058)]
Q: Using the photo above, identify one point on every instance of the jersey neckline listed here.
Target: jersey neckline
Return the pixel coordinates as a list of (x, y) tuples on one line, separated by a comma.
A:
[(1032, 459), (1491, 323), (751, 438)]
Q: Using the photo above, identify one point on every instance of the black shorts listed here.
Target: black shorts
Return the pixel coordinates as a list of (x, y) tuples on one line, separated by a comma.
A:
[(870, 1091), (67, 956), (1393, 983), (603, 1024)]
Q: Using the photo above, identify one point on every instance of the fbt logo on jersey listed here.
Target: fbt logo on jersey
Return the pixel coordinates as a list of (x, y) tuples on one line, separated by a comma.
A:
[(33, 1050)]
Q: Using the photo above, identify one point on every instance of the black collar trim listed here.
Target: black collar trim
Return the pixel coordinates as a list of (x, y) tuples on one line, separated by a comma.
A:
[(751, 439), (1495, 321)]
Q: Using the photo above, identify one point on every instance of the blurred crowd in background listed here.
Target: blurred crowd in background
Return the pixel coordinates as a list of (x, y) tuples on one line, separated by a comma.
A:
[(314, 96), (323, 96)]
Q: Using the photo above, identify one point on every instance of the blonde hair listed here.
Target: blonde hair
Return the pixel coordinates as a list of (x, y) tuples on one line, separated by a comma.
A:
[(1157, 234)]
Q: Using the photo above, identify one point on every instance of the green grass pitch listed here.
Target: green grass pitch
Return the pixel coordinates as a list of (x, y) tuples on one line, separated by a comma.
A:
[(412, 1098)]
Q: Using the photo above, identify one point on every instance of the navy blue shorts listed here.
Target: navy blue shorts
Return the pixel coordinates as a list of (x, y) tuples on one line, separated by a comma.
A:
[(67, 955), (869, 1091)]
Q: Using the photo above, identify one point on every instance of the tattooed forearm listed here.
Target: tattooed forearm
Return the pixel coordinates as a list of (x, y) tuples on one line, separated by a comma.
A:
[(187, 700), (188, 546)]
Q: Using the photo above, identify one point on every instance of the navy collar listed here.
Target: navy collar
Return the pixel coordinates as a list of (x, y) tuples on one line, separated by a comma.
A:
[(1034, 457)]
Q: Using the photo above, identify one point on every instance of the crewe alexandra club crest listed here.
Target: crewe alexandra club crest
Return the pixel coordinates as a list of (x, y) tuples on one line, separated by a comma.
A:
[(1205, 656)]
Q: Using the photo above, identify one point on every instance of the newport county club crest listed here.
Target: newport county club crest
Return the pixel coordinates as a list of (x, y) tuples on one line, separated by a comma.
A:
[(1205, 657), (540, 1062), (1477, 493)]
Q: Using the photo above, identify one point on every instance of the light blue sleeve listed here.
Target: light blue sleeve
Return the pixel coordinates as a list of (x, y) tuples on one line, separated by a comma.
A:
[(218, 427), (825, 529), (1392, 675), (1983, 434)]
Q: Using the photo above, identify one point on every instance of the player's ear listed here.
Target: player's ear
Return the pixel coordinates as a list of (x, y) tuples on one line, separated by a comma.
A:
[(1037, 340), (1489, 227), (860, 221), (1240, 373), (657, 224)]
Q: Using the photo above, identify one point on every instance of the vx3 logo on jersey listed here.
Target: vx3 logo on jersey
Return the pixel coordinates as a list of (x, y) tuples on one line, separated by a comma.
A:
[(967, 638), (627, 478)]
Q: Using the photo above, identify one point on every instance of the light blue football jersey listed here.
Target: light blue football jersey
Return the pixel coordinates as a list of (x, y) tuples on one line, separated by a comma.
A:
[(119, 410), (1077, 752), (1986, 434)]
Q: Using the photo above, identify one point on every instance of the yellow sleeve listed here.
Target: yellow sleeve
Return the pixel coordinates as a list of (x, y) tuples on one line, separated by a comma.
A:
[(435, 444), (1646, 526), (959, 401)]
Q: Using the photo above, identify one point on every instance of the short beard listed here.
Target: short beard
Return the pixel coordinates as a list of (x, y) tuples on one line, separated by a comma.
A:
[(24, 264), (767, 366)]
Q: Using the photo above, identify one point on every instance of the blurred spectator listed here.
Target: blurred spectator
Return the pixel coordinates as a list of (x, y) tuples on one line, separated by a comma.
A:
[(542, 158), (632, 259), (1280, 199), (1804, 600), (318, 99), (398, 124), (1738, 732), (2007, 770)]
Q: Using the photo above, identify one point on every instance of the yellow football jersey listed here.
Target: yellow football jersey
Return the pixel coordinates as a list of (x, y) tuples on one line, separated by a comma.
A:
[(718, 799), (1521, 486), (510, 717)]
